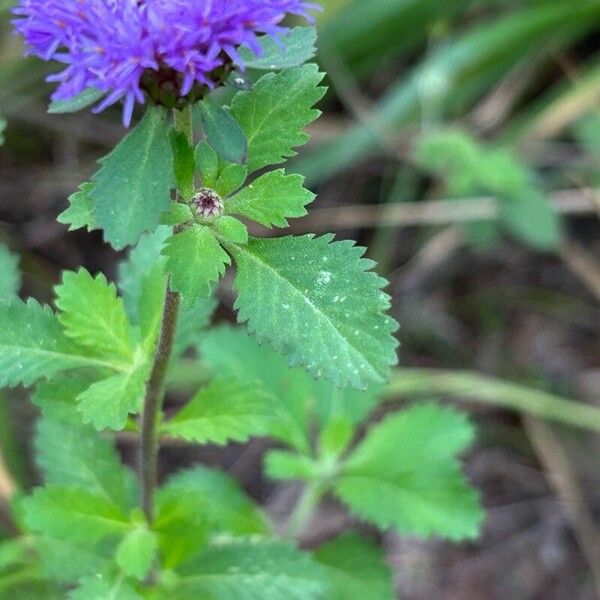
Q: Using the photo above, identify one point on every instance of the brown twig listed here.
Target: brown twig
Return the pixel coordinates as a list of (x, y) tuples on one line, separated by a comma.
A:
[(561, 477), (434, 212), (583, 265)]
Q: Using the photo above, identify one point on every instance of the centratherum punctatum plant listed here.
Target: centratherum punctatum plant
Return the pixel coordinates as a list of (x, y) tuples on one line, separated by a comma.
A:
[(306, 368)]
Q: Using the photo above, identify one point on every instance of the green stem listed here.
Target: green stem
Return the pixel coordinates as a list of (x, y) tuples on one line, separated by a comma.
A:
[(464, 384), (155, 390), (304, 510)]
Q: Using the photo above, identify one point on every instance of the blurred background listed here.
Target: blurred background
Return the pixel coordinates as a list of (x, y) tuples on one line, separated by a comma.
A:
[(461, 142)]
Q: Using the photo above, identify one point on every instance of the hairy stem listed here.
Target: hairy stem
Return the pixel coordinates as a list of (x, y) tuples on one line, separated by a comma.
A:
[(155, 390)]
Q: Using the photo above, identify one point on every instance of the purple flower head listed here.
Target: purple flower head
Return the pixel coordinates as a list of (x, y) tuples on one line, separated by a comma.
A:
[(171, 50)]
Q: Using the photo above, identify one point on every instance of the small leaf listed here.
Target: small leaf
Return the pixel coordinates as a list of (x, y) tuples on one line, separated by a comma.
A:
[(94, 316), (207, 162), (142, 282), (195, 261), (232, 229), (178, 214), (10, 276), (290, 50), (231, 178), (252, 570), (271, 199), (137, 552), (336, 436), (356, 569), (77, 103), (107, 404), (193, 321), (291, 287), (223, 133), (73, 514), (132, 189), (274, 113), (80, 213), (226, 410), (283, 465), (184, 163), (405, 475)]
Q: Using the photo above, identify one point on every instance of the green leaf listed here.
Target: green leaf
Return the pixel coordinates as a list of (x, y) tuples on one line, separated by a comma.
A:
[(231, 352), (274, 113), (271, 199), (355, 569), (291, 50), (232, 229), (108, 403), (66, 561), (230, 179), (195, 261), (405, 475), (142, 282), (57, 398), (181, 528), (218, 498), (132, 189), (101, 587), (282, 465), (73, 514), (207, 162), (94, 316), (10, 276), (290, 288), (137, 552), (33, 346), (223, 133), (226, 410), (250, 570), (78, 456), (193, 321), (178, 214), (80, 213), (530, 218), (77, 103), (184, 163), (297, 398)]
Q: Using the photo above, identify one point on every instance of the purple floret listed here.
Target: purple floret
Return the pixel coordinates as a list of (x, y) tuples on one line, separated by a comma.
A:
[(125, 48)]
